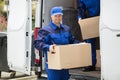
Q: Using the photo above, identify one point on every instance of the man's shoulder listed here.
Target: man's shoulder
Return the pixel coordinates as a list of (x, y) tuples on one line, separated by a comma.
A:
[(44, 29), (47, 28)]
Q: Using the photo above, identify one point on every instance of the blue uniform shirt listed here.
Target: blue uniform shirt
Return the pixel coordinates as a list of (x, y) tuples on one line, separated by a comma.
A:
[(51, 34), (91, 6)]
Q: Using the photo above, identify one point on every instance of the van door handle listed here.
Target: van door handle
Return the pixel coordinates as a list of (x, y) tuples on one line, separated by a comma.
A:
[(118, 35)]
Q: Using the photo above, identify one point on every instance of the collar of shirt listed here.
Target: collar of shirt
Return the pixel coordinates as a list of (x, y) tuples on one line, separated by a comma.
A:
[(55, 26)]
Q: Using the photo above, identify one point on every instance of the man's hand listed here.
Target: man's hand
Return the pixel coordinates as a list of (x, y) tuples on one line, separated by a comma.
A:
[(52, 48)]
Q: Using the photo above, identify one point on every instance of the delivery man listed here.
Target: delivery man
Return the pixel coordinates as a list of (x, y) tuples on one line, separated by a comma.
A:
[(51, 35), (87, 9)]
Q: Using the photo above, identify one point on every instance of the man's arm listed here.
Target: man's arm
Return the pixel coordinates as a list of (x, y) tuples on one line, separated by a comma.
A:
[(39, 43)]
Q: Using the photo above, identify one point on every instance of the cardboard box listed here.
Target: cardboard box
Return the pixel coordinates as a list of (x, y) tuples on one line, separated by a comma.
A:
[(70, 56), (89, 27), (98, 58)]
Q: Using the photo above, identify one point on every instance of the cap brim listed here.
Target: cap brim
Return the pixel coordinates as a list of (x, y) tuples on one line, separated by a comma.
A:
[(57, 14)]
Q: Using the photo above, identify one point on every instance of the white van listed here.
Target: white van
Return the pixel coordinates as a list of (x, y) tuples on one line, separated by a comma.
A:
[(19, 33)]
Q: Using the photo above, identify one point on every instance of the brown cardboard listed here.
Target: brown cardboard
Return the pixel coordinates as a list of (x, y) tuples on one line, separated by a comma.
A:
[(98, 58), (89, 27), (70, 56)]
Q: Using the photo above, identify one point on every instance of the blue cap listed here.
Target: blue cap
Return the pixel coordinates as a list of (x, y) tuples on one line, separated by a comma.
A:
[(56, 10)]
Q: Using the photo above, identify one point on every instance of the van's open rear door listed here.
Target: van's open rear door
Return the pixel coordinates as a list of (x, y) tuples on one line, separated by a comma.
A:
[(19, 36), (110, 40)]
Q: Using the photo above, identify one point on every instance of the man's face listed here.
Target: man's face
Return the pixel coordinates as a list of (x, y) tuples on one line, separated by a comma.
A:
[(56, 18)]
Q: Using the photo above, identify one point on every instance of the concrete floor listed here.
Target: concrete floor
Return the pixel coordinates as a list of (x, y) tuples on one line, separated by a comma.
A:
[(18, 76)]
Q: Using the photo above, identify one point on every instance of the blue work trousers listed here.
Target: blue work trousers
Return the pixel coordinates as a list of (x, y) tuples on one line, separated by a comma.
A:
[(93, 46), (57, 74)]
